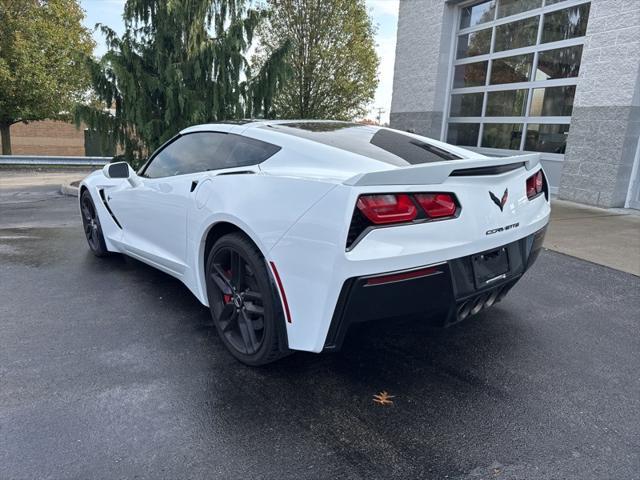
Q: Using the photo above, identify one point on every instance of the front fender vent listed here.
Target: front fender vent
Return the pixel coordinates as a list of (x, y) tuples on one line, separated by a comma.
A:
[(106, 205)]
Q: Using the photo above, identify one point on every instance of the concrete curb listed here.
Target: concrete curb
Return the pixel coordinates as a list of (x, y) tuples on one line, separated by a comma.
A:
[(69, 189)]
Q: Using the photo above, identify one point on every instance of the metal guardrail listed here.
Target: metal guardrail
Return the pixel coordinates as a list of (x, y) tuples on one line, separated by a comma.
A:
[(53, 160)]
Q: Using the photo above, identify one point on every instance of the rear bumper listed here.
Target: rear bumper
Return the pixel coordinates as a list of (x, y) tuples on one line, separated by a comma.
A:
[(447, 291)]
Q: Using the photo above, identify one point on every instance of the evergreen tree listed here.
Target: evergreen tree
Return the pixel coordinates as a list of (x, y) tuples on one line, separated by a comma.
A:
[(179, 63)]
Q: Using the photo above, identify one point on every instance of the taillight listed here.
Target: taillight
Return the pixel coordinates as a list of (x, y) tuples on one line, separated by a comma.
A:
[(396, 208), (437, 205), (535, 184), (539, 181), (387, 208)]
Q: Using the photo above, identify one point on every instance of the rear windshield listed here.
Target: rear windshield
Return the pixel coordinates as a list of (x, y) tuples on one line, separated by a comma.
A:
[(380, 144)]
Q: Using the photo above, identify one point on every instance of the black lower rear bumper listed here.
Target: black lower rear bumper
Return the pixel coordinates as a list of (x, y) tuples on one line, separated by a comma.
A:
[(448, 292)]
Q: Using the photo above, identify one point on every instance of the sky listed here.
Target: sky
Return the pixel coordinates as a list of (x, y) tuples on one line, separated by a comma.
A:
[(383, 12)]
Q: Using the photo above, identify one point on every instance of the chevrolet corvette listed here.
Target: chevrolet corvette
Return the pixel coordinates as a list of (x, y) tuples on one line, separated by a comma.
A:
[(292, 231)]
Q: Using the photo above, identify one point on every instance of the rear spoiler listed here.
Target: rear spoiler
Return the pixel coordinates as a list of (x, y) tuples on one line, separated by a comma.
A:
[(438, 172)]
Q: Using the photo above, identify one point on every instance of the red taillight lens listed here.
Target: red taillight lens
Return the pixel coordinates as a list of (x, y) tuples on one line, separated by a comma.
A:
[(538, 181), (394, 208), (387, 208), (531, 187), (437, 205), (535, 184)]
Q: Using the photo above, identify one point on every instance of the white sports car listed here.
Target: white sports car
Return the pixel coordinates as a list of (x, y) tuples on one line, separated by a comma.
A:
[(290, 231)]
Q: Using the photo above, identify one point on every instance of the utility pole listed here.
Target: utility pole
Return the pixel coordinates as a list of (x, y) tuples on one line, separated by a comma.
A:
[(380, 112)]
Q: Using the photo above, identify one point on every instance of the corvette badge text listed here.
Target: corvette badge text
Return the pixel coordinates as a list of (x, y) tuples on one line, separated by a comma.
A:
[(503, 229)]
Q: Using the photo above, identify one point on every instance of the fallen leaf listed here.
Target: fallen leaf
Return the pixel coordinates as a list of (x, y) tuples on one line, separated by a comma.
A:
[(383, 398)]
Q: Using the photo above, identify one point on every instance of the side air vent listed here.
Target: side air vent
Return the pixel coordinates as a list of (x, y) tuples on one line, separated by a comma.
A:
[(104, 200), (359, 224), (492, 170)]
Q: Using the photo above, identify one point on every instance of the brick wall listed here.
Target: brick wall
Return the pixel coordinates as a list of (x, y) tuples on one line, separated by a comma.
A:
[(47, 137)]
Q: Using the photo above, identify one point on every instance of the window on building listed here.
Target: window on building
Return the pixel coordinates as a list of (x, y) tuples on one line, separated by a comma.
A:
[(551, 138), (511, 69), (515, 73), (552, 101), (565, 24), (467, 105), (559, 63), (522, 33), (463, 134), (506, 103), (511, 7), (477, 14), (502, 135), (474, 43), (470, 75)]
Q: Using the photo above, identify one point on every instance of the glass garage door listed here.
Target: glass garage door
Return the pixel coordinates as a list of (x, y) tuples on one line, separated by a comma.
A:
[(514, 77)]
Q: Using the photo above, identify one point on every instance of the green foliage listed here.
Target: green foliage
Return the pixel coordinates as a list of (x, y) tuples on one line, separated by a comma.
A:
[(332, 57), (179, 63), (43, 47)]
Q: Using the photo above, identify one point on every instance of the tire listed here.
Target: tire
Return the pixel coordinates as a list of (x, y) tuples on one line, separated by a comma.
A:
[(92, 227), (242, 300)]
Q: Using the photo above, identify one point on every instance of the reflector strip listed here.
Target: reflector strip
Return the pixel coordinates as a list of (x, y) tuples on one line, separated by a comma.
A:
[(284, 297), (396, 277)]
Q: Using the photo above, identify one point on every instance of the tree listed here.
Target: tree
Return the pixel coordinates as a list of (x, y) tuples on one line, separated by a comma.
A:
[(43, 47), (179, 63), (332, 57)]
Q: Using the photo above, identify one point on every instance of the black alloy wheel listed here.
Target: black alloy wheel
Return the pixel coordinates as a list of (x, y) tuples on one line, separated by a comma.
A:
[(91, 224), (242, 301)]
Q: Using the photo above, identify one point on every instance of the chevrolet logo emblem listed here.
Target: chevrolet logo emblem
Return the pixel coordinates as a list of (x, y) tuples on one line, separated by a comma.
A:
[(500, 202)]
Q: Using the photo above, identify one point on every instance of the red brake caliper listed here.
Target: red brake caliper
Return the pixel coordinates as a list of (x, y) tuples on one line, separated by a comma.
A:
[(227, 298)]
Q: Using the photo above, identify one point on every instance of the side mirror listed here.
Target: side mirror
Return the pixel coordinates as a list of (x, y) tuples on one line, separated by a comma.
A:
[(116, 170), (120, 170)]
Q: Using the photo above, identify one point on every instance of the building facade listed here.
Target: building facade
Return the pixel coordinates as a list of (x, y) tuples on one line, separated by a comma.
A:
[(502, 77)]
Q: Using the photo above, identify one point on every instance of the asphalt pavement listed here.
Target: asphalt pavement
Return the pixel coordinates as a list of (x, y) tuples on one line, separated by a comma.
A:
[(111, 369)]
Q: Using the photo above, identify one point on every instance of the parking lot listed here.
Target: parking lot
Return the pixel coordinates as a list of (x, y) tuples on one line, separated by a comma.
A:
[(111, 369)]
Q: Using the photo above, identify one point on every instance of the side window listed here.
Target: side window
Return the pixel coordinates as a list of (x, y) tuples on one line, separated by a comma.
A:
[(243, 151), (202, 151), (194, 152)]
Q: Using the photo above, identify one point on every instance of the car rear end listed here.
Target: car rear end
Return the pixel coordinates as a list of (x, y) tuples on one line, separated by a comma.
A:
[(444, 251), (411, 228)]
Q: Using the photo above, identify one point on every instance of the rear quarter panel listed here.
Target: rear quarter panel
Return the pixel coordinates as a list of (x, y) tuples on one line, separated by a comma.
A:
[(265, 207)]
